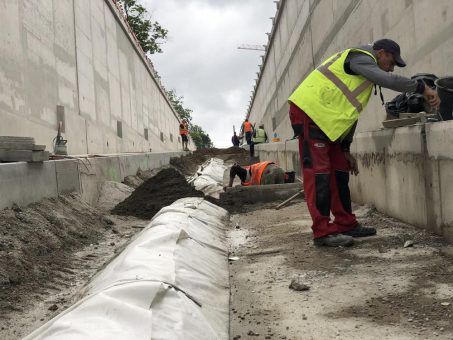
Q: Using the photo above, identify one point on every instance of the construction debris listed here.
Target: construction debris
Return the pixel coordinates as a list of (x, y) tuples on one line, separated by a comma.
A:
[(409, 119), (298, 284), (408, 243), (21, 149)]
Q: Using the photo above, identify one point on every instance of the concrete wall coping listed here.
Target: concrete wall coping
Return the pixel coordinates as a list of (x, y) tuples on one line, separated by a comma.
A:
[(291, 145), (24, 183)]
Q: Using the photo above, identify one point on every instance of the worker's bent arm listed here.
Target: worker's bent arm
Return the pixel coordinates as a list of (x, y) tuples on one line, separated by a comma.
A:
[(364, 65)]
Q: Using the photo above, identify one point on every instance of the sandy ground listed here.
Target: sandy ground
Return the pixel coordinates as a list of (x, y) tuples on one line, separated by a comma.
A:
[(50, 250), (375, 290), (61, 289)]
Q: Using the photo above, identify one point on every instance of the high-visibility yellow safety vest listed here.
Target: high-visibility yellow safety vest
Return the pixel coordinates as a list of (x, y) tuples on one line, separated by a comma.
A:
[(332, 98), (260, 136)]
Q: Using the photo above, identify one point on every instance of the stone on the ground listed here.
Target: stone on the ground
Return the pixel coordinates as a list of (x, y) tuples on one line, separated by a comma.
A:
[(364, 211), (297, 284), (408, 243)]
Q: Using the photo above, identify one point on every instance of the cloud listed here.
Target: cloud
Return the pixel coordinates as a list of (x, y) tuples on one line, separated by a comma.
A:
[(201, 60)]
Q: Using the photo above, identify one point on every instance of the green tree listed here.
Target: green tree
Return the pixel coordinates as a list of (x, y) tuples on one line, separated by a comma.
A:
[(178, 105), (200, 138), (149, 34)]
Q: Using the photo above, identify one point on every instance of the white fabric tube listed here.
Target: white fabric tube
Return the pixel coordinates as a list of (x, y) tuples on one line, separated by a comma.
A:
[(171, 282), (209, 177)]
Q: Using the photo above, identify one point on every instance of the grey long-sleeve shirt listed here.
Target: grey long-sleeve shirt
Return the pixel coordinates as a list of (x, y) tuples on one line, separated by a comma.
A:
[(360, 63)]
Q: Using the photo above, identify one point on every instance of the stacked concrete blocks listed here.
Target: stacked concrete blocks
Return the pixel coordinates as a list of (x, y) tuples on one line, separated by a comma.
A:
[(21, 149)]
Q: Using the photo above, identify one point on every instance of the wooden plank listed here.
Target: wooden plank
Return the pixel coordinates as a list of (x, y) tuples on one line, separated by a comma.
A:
[(394, 123)]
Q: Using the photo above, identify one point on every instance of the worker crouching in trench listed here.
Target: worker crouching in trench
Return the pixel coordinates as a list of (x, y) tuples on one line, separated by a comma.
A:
[(262, 173)]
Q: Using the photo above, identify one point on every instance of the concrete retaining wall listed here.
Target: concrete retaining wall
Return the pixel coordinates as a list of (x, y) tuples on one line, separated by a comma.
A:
[(404, 172), (306, 32), (407, 173), (284, 154), (24, 183), (78, 55), (94, 171)]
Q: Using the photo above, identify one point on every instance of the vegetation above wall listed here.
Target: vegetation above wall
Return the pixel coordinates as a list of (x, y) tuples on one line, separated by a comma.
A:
[(150, 34)]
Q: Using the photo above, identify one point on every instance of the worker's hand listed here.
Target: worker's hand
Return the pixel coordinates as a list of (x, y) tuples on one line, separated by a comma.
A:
[(353, 167), (431, 96)]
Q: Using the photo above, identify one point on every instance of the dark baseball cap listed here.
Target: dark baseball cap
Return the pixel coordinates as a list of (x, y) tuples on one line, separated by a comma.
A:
[(392, 47)]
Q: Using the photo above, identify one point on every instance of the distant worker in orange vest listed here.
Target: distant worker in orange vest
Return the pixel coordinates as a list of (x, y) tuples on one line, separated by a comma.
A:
[(248, 130), (262, 173), (184, 132)]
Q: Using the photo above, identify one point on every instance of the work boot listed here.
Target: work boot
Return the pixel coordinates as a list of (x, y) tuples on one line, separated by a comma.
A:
[(334, 240), (360, 231)]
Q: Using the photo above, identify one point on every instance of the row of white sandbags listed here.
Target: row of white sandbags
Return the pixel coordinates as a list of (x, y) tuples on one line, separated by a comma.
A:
[(171, 282), (209, 177)]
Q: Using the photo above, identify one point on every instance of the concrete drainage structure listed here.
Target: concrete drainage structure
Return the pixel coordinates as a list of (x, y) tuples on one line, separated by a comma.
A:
[(171, 282)]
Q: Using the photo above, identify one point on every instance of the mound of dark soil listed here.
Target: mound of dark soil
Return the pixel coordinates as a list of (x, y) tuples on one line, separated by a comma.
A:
[(157, 192), (216, 152), (189, 164)]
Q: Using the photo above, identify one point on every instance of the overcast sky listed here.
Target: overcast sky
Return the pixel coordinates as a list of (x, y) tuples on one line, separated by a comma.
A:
[(201, 61)]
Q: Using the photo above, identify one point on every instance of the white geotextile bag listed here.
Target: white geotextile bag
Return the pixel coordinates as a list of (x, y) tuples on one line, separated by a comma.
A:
[(209, 177), (132, 310), (184, 252)]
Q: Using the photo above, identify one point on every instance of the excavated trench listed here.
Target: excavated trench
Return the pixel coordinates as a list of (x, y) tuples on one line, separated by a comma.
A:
[(49, 250), (376, 289)]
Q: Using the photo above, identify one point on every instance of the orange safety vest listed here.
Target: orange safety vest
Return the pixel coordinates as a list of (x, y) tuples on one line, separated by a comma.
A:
[(183, 130), (256, 171), (247, 127)]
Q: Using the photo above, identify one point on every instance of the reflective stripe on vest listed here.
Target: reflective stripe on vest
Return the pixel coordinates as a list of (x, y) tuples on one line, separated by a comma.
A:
[(260, 136), (256, 172), (350, 95), (332, 98), (247, 126)]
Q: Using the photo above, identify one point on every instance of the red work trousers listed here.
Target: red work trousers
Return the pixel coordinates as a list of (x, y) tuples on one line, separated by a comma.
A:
[(326, 180)]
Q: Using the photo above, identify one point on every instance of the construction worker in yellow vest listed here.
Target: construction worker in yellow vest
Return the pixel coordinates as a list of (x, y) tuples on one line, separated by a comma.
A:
[(259, 136), (324, 110)]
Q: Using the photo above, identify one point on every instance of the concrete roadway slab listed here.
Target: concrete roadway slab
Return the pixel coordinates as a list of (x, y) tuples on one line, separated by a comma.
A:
[(376, 289)]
